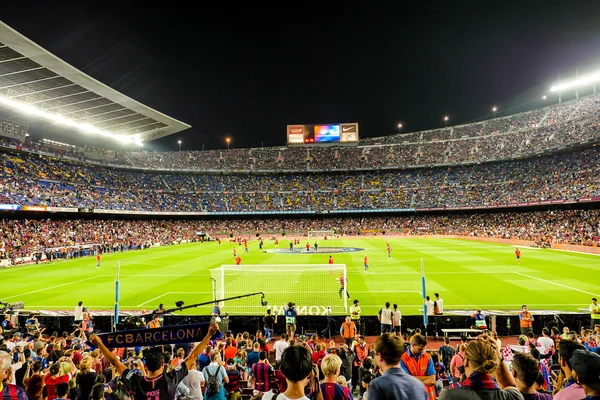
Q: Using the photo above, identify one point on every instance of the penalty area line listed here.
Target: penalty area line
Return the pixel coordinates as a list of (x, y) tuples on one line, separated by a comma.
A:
[(152, 299), (52, 287), (557, 284)]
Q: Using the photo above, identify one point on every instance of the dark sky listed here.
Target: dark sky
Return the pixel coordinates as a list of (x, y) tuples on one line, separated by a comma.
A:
[(248, 71)]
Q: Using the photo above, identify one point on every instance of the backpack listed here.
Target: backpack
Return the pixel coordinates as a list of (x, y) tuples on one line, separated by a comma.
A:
[(212, 382)]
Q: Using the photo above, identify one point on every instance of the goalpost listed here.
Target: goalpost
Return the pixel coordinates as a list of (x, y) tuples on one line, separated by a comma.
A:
[(320, 234), (307, 285)]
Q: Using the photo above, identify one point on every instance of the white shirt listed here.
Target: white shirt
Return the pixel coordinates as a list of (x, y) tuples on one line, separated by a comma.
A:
[(14, 367), (270, 396), (191, 385), (440, 305), (397, 321), (545, 342), (279, 347), (386, 316), (78, 313), (429, 305)]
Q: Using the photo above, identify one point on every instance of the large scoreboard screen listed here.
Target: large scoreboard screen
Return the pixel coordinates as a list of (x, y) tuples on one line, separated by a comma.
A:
[(322, 134)]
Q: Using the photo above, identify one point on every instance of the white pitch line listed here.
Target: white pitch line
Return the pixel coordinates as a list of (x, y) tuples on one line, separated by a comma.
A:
[(53, 287), (318, 291), (157, 297), (468, 306), (557, 284)]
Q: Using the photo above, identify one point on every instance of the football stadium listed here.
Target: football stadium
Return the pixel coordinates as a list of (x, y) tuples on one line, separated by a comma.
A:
[(361, 252)]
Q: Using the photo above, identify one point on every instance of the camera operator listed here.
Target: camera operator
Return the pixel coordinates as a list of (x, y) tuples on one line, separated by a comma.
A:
[(269, 322), (290, 320)]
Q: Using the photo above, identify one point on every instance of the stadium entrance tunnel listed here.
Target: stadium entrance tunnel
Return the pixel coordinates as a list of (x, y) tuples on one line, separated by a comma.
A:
[(322, 250)]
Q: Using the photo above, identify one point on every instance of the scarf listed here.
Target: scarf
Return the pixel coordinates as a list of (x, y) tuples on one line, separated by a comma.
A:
[(480, 381)]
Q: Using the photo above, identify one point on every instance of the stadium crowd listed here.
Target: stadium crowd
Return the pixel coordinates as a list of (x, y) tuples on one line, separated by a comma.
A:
[(47, 181), (68, 238), (79, 366), (541, 130)]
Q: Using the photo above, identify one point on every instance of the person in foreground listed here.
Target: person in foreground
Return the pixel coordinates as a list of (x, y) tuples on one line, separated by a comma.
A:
[(157, 384), (482, 360), (7, 390), (526, 372), (394, 383), (587, 371), (296, 365)]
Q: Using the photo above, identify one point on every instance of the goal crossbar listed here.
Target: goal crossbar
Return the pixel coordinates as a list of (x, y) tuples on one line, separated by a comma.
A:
[(307, 285)]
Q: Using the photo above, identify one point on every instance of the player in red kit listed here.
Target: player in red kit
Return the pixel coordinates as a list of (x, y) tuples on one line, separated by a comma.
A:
[(518, 255), (330, 265), (238, 261), (342, 279), (307, 247), (366, 263), (98, 260)]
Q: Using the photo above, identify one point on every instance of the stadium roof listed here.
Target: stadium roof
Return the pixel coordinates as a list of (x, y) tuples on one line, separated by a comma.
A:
[(33, 76)]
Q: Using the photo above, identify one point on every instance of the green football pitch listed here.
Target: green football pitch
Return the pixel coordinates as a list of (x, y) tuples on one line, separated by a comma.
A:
[(467, 275)]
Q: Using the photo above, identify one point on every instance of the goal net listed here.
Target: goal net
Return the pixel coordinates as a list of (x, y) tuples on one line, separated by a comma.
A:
[(313, 287), (320, 234)]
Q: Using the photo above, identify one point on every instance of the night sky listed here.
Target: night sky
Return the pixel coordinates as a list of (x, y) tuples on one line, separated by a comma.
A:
[(247, 72)]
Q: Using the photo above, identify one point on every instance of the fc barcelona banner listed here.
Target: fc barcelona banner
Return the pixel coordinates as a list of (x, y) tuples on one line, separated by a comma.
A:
[(152, 337)]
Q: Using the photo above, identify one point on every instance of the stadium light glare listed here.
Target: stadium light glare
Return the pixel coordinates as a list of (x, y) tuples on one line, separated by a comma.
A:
[(544, 97), (584, 80), (59, 119)]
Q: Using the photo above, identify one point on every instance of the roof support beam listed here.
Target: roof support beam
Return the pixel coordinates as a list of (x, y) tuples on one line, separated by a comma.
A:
[(25, 70), (96, 115), (59, 97), (12, 59), (72, 104), (43, 90), (27, 83)]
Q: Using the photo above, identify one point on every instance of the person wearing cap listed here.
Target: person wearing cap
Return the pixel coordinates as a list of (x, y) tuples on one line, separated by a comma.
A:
[(595, 312), (233, 386), (586, 366)]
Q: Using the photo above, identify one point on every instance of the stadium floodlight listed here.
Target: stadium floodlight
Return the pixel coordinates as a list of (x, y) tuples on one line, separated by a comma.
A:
[(584, 80), (228, 140), (179, 144), (544, 97), (59, 119)]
